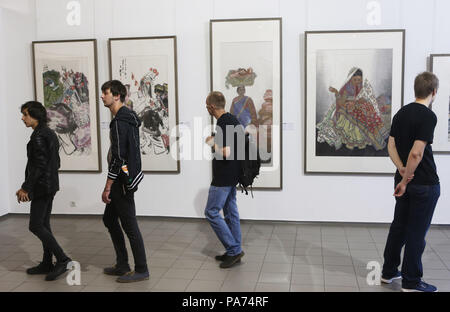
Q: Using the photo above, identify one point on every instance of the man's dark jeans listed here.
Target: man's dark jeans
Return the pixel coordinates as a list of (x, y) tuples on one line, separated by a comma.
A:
[(122, 207), (412, 219), (40, 211)]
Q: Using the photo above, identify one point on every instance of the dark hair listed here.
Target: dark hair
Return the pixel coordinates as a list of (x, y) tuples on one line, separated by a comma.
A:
[(424, 84), (217, 99), (116, 88), (36, 110), (358, 73)]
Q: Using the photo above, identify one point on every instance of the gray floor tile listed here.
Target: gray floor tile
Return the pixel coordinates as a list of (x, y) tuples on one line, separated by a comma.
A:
[(338, 260), (142, 286), (187, 264), (180, 273), (360, 239), (162, 262), (307, 288), (362, 246), (211, 275), (331, 269), (335, 253), (335, 245), (233, 286), (31, 287), (157, 272), (238, 276), (101, 288), (204, 286), (282, 243), (247, 266), (272, 287), (377, 289), (284, 236), (307, 269), (309, 238), (341, 280), (308, 279), (256, 242), (174, 285), (364, 253), (279, 256), (14, 276), (268, 277), (100, 280), (434, 264), (313, 251), (257, 250), (64, 288), (6, 286), (308, 260), (436, 274), (340, 289), (276, 267)]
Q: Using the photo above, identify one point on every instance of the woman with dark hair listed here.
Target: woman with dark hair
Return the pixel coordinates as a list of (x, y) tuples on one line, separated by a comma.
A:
[(354, 120)]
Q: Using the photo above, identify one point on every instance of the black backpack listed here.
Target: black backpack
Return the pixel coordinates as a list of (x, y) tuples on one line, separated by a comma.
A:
[(250, 166)]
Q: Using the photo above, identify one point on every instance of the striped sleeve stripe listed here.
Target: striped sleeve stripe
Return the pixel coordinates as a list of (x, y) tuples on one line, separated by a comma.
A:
[(136, 181), (112, 176)]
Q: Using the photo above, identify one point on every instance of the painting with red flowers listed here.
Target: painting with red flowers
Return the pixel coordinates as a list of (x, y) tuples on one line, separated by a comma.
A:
[(65, 83), (147, 68), (354, 85)]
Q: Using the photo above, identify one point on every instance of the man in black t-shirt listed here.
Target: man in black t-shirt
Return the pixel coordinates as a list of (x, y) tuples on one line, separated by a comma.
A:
[(222, 192), (417, 186)]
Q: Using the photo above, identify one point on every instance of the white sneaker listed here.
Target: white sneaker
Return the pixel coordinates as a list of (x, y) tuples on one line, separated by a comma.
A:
[(387, 280)]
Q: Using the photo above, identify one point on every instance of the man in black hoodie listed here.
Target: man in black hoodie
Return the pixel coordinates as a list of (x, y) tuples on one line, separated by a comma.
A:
[(124, 175)]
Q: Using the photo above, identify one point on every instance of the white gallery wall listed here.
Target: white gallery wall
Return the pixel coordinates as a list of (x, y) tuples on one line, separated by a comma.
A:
[(4, 181), (305, 197)]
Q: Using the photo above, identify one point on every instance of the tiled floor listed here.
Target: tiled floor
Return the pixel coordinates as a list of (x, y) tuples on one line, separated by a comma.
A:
[(279, 256)]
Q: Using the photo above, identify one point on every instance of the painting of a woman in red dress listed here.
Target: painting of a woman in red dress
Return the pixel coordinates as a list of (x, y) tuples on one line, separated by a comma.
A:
[(356, 119)]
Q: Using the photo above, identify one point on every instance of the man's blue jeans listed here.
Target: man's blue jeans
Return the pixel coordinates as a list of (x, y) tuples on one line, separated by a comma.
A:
[(229, 230), (412, 219)]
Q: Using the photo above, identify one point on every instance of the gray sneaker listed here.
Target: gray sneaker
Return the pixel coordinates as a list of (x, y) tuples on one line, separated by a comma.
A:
[(116, 271), (132, 277)]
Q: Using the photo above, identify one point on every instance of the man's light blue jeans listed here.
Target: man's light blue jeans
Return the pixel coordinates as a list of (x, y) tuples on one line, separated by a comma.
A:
[(228, 230)]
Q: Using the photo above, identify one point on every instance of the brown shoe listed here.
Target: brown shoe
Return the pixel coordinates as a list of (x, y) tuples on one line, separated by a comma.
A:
[(116, 271)]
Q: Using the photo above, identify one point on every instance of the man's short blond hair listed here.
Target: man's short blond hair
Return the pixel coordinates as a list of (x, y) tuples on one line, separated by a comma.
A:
[(217, 99), (424, 84)]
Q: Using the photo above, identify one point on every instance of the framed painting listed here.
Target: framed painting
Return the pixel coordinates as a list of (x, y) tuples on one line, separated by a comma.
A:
[(246, 67), (65, 82), (353, 88), (147, 66), (440, 66)]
